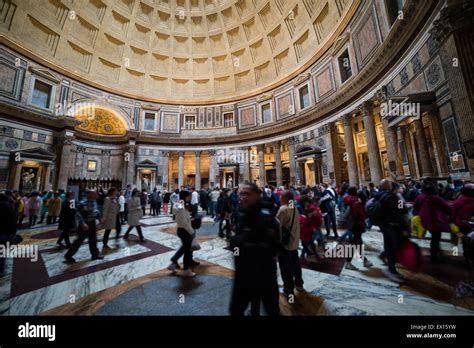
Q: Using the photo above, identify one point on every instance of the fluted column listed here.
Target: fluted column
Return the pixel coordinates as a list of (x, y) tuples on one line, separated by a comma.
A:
[(212, 168), (291, 158), (403, 136), (261, 165), (166, 160), (393, 155), (350, 155), (425, 160), (130, 162), (65, 159), (180, 169), (375, 164), (279, 170), (198, 170)]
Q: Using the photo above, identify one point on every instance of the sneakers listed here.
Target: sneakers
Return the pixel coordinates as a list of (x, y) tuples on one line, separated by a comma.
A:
[(351, 267), (98, 257), (187, 273), (195, 263), (383, 258), (394, 277), (367, 263), (300, 289), (173, 267)]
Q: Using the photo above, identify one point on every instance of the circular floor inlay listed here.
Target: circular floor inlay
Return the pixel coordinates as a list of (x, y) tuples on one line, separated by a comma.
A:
[(174, 295)]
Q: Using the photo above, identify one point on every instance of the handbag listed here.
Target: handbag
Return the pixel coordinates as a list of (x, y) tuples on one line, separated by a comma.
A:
[(285, 232), (195, 244), (417, 228)]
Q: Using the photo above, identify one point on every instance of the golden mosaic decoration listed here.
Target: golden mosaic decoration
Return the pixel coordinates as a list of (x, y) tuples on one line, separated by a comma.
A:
[(100, 121)]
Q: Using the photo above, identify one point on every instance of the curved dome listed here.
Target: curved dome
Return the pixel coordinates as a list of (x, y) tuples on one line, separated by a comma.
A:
[(182, 51)]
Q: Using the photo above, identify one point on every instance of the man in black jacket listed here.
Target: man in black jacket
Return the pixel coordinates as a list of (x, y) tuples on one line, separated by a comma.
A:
[(8, 220), (392, 225), (255, 247)]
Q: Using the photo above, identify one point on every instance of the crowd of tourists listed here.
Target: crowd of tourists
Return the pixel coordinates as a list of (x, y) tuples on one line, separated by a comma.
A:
[(265, 226)]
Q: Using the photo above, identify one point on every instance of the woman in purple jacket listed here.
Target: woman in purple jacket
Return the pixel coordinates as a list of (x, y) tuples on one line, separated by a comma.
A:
[(434, 212)]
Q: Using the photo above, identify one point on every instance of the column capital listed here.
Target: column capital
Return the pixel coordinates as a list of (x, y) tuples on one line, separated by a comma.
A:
[(346, 119), (66, 138), (366, 108), (261, 147), (211, 152), (198, 153), (165, 153), (181, 153), (132, 148), (80, 149), (453, 18), (106, 152), (381, 95)]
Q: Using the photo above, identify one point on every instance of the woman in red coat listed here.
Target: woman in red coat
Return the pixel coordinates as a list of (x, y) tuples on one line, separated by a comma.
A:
[(310, 220), (359, 216), (433, 211)]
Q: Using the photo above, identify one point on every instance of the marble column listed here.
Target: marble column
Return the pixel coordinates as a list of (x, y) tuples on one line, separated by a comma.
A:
[(424, 160), (80, 151), (198, 171), (291, 158), (165, 155), (300, 176), (261, 165), (373, 153), (393, 155), (212, 168), (279, 170), (403, 137), (247, 160), (438, 144), (65, 160), (47, 176), (130, 162), (350, 155), (17, 178), (180, 169)]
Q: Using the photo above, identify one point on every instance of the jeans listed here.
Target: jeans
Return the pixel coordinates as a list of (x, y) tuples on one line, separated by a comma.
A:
[(347, 234), (139, 230), (356, 241), (185, 249), (212, 206), (330, 217), (290, 269), (318, 236), (91, 235)]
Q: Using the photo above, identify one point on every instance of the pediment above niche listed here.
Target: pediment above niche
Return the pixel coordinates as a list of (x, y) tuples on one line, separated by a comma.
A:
[(340, 42), (264, 97), (45, 73), (301, 78)]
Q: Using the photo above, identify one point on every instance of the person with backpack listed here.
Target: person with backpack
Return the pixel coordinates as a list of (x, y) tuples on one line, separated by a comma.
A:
[(258, 241), (290, 267), (355, 212), (385, 211), (328, 204), (434, 212), (310, 224)]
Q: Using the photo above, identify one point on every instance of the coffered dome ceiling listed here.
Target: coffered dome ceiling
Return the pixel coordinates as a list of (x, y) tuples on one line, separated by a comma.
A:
[(180, 51)]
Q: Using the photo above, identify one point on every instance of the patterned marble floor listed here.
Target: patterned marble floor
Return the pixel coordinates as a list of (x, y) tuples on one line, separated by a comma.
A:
[(52, 287)]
